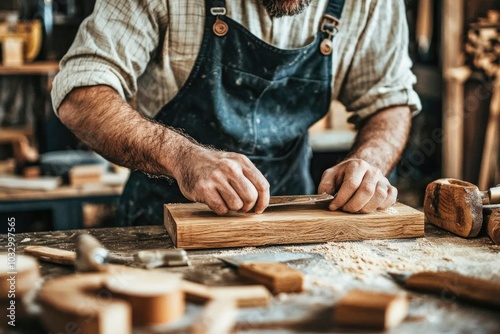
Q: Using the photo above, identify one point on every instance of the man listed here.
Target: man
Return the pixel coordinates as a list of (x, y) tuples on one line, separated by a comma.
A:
[(225, 92)]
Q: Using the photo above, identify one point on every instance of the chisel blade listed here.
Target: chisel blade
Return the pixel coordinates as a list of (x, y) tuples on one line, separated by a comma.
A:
[(299, 200), (237, 260)]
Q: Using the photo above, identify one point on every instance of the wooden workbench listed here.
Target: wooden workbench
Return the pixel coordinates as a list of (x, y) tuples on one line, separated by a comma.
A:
[(65, 202), (332, 270)]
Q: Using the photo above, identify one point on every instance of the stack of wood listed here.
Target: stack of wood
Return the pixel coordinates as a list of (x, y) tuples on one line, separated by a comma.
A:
[(483, 44)]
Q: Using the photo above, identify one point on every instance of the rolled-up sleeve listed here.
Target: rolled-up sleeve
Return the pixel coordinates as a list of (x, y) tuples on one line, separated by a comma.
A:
[(380, 74), (113, 47)]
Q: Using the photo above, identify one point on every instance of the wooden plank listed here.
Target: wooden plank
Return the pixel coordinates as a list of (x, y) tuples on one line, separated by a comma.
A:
[(453, 121), (195, 226), (452, 34), (490, 148), (11, 194)]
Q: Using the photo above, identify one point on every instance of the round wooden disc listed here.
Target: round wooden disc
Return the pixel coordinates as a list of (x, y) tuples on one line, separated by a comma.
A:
[(156, 298)]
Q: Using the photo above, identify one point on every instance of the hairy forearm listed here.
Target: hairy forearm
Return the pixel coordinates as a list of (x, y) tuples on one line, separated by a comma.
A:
[(103, 120), (382, 138)]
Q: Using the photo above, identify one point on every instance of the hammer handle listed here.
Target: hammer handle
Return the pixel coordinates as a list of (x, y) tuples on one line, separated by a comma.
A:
[(54, 255)]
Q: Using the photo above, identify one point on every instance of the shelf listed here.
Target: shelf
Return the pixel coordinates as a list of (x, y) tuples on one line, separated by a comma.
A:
[(37, 68)]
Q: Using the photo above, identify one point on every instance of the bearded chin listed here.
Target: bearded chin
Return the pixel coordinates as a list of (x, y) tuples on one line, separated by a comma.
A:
[(279, 8)]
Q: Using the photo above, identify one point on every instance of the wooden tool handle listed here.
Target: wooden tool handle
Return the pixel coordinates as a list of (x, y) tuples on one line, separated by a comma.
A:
[(451, 285), (277, 277), (53, 255), (492, 221)]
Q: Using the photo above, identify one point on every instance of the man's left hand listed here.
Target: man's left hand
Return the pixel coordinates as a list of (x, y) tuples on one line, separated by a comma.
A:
[(359, 187)]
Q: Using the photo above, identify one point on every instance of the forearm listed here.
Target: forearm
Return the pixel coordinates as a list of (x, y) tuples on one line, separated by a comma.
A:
[(105, 122), (383, 137)]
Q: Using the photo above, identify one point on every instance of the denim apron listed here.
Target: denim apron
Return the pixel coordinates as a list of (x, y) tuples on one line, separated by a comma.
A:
[(246, 96)]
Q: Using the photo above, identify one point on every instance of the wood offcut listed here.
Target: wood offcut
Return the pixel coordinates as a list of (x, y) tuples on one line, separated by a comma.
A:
[(374, 310)]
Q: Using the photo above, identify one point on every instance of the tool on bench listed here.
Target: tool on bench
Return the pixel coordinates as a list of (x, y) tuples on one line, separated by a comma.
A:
[(137, 297), (264, 268), (300, 200), (91, 256), (451, 285), (492, 220), (457, 206)]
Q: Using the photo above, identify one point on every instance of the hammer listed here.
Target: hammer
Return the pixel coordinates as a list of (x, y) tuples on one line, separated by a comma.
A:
[(91, 256), (457, 206)]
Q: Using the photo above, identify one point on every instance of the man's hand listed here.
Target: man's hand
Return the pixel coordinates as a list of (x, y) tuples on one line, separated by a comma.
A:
[(222, 180), (359, 187), (359, 182)]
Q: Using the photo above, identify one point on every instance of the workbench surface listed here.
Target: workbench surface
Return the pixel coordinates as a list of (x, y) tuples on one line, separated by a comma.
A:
[(333, 269)]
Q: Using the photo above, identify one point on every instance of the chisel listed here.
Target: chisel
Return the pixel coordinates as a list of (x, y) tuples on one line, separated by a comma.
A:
[(451, 285)]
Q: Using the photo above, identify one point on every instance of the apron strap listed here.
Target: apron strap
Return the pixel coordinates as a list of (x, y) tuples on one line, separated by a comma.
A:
[(217, 4), (334, 8)]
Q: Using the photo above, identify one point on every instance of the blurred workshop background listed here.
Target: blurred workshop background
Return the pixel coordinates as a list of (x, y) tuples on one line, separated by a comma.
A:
[(50, 181)]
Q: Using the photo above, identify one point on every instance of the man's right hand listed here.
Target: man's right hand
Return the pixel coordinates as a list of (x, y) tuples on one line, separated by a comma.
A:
[(222, 180)]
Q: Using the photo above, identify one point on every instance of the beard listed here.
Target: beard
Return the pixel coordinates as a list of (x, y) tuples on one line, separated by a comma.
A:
[(279, 8)]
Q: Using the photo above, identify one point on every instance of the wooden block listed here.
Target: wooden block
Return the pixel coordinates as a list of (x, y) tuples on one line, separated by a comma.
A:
[(85, 174), (18, 275), (12, 51), (195, 226), (155, 298), (374, 310), (78, 303), (218, 317), (277, 277), (244, 296), (493, 226)]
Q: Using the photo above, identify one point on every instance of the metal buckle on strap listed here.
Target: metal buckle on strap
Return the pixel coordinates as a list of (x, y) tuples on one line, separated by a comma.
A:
[(330, 25), (215, 11)]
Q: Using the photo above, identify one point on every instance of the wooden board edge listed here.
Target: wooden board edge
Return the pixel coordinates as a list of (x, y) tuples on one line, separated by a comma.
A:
[(416, 230), (170, 225)]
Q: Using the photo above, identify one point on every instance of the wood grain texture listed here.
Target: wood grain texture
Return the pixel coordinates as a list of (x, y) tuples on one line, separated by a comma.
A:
[(367, 309), (454, 285), (277, 277), (490, 148), (195, 226), (452, 36), (492, 222), (454, 205)]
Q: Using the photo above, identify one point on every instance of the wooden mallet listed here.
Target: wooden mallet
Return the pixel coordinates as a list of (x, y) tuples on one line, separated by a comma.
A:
[(457, 206)]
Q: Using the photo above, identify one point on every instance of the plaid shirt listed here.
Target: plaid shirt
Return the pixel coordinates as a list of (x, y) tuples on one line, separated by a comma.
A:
[(147, 48)]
